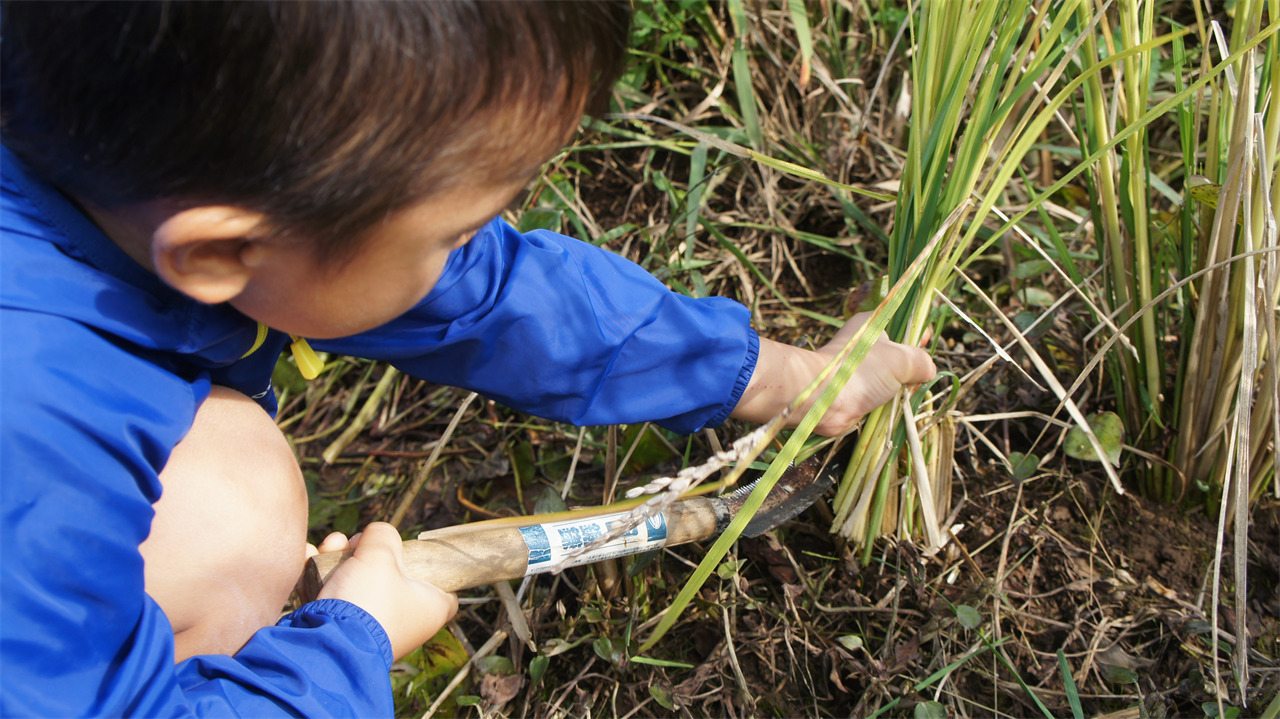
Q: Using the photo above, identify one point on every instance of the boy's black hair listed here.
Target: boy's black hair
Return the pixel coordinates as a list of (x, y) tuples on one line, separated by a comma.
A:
[(324, 116)]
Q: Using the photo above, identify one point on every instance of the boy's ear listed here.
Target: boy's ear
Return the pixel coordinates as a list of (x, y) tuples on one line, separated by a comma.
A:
[(210, 252)]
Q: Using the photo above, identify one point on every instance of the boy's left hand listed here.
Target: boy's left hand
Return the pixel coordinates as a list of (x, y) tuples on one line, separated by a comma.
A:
[(783, 371), (410, 610), (888, 367)]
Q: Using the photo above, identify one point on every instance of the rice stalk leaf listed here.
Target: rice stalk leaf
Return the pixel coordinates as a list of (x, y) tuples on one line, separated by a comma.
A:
[(920, 475), (738, 14), (827, 244), (739, 151), (839, 370), (693, 200), (746, 94), (1069, 684), (1101, 353), (1156, 111), (800, 19), (1212, 365), (1244, 397)]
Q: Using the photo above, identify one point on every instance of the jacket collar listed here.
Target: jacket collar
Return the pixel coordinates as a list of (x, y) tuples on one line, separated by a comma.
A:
[(56, 261)]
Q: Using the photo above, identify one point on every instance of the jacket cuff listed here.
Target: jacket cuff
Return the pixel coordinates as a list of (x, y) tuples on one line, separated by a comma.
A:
[(744, 379), (343, 612)]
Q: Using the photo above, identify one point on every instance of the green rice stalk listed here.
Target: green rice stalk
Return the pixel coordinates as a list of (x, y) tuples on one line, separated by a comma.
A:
[(789, 168), (978, 91), (693, 200), (862, 499), (1218, 362), (800, 19), (742, 76), (838, 371)]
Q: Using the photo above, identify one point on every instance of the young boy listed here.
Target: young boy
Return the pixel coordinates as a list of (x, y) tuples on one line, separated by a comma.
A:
[(177, 178)]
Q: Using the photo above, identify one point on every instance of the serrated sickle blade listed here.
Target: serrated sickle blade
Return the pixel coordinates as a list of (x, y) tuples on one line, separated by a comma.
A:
[(796, 490)]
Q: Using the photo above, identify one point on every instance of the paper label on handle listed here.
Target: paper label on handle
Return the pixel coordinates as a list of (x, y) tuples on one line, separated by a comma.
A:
[(550, 543)]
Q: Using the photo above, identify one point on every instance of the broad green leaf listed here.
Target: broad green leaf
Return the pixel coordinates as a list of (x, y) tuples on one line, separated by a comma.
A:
[(604, 649), (1211, 710), (930, 710), (347, 519), (322, 512), (1110, 431), (287, 376), (468, 700), (494, 664), (443, 655), (538, 667), (522, 464), (968, 616), (852, 642), (439, 659), (1207, 193), (1036, 297), (540, 218), (1027, 319), (867, 296), (556, 645), (1117, 674), (549, 502), (649, 449), (663, 696), (1023, 465), (728, 569), (1030, 269)]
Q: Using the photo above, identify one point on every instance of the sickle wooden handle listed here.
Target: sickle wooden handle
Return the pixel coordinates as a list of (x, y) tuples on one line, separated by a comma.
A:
[(457, 560)]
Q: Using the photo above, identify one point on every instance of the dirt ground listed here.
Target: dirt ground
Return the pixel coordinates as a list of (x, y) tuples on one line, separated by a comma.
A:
[(801, 627)]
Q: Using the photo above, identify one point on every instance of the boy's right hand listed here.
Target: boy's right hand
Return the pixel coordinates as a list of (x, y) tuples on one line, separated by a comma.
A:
[(410, 610)]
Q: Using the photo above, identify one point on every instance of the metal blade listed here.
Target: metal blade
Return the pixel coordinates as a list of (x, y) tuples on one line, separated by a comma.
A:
[(799, 487)]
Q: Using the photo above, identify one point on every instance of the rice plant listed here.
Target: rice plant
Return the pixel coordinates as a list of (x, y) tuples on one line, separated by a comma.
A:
[(1223, 361), (987, 79), (982, 74), (976, 114)]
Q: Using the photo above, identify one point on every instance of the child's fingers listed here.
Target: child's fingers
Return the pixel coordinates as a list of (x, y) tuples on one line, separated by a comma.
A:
[(335, 542), (377, 538), (913, 365), (417, 610)]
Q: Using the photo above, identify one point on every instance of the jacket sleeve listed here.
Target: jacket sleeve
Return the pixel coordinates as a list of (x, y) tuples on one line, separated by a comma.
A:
[(83, 438), (564, 330)]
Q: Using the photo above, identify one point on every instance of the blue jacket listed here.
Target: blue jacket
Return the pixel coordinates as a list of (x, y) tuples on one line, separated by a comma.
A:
[(104, 367)]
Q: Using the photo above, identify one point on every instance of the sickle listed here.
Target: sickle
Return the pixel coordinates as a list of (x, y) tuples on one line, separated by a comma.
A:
[(456, 558)]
